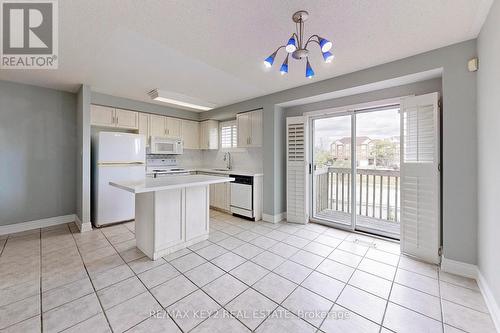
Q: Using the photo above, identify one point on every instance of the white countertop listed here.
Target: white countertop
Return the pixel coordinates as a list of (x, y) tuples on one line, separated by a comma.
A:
[(231, 172), (169, 183), (214, 171)]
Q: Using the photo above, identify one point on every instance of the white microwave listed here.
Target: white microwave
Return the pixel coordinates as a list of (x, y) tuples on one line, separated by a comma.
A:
[(166, 146)]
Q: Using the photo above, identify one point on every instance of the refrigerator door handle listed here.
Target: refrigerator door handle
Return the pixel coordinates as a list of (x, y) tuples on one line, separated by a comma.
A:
[(120, 163)]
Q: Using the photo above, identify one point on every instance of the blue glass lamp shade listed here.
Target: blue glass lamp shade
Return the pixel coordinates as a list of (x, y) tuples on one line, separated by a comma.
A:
[(325, 44), (328, 56), (290, 46), (309, 70), (268, 62), (284, 66)]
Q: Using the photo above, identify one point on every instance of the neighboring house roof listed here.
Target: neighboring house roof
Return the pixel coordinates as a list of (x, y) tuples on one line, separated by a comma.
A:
[(360, 140)]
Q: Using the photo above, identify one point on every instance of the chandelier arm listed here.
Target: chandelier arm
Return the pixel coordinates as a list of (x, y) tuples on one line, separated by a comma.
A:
[(310, 39), (296, 38), (297, 34), (279, 48)]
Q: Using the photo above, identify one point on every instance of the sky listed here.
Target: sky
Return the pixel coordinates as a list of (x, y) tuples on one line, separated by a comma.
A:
[(375, 125)]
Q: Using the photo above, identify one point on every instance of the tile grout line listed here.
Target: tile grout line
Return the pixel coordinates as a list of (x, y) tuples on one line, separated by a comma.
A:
[(92, 283), (324, 258), (41, 292), (389, 296), (138, 278), (440, 300), (298, 249), (286, 259), (297, 287), (347, 284), (4, 245)]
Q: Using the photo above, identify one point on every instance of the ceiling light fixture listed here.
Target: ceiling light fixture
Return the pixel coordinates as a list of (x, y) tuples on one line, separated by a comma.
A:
[(284, 66), (179, 100), (298, 48)]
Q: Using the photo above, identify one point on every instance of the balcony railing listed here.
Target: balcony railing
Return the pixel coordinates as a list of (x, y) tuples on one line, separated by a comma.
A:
[(377, 194)]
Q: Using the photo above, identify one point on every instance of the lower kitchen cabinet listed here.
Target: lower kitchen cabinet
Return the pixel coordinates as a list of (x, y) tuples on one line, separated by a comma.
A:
[(220, 196)]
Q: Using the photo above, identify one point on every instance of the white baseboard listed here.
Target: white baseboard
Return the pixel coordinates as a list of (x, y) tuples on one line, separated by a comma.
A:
[(82, 226), (35, 224), (273, 218), (490, 300), (473, 272), (459, 268)]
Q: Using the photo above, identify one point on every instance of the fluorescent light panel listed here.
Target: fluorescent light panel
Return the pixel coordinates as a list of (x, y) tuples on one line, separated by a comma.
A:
[(180, 100)]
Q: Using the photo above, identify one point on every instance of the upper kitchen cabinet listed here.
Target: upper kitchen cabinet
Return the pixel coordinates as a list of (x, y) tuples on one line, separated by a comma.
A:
[(249, 129), (144, 126), (111, 117), (173, 126), (102, 116), (191, 134), (127, 119), (157, 125), (165, 126), (209, 134)]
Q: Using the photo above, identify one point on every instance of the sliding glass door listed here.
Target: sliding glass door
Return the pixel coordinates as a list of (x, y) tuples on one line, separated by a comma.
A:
[(364, 143), (332, 170)]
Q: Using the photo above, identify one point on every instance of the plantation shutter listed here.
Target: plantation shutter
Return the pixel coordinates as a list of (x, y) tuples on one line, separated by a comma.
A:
[(420, 189), (296, 170), (229, 135)]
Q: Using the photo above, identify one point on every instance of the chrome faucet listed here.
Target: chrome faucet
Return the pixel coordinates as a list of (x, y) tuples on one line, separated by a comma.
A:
[(227, 159)]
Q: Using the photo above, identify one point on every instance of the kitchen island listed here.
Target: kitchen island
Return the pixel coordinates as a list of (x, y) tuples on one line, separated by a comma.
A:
[(171, 212)]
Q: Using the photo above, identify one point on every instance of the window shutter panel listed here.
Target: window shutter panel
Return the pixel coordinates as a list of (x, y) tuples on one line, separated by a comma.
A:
[(296, 167), (229, 136), (420, 189)]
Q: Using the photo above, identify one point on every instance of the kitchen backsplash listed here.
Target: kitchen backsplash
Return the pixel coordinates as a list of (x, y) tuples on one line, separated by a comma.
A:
[(190, 159), (249, 159), (244, 159)]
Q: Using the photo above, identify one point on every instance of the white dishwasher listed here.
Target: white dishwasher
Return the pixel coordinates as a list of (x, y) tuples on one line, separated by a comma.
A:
[(242, 196)]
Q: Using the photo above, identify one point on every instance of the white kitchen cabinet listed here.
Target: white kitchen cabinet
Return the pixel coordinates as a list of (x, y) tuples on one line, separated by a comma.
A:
[(197, 215), (157, 125), (220, 194), (243, 129), (127, 119), (256, 128), (102, 116), (209, 134), (191, 134), (144, 126), (165, 126), (111, 117), (249, 129), (173, 127)]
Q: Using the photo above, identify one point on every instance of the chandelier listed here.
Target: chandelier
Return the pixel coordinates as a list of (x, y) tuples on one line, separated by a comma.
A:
[(298, 48)]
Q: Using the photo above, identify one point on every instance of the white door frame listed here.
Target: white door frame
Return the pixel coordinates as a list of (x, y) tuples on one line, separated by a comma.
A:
[(344, 111)]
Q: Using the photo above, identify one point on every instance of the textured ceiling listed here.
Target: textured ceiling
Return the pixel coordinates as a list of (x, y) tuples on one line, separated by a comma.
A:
[(213, 49)]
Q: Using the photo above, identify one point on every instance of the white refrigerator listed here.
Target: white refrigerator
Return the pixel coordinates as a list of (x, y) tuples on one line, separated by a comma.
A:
[(116, 157)]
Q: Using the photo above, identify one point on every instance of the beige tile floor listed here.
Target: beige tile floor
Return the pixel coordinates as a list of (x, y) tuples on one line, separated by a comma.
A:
[(247, 276)]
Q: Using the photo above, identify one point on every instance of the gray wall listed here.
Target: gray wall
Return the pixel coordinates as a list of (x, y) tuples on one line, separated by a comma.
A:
[(459, 136), (417, 88), (37, 153), (128, 104), (488, 90)]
